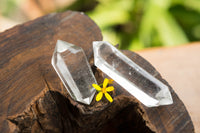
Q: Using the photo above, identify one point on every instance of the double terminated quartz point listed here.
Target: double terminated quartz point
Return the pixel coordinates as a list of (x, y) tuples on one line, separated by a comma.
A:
[(137, 81), (72, 66)]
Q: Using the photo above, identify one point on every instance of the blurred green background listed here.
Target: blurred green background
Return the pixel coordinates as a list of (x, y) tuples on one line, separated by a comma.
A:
[(133, 24)]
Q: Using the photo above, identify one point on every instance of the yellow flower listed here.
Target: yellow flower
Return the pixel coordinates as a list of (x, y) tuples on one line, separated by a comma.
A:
[(104, 90), (110, 81)]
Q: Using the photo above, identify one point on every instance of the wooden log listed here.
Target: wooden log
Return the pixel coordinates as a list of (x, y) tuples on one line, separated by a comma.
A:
[(33, 99)]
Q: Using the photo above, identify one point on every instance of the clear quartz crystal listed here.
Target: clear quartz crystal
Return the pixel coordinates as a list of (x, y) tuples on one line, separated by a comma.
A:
[(71, 65), (130, 76)]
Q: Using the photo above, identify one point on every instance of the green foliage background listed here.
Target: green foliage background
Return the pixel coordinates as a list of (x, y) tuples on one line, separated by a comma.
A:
[(138, 24)]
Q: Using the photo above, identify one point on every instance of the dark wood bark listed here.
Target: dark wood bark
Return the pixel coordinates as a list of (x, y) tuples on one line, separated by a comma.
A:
[(33, 99)]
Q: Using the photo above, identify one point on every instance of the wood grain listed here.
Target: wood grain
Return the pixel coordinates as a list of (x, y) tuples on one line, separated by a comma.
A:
[(33, 99), (25, 57)]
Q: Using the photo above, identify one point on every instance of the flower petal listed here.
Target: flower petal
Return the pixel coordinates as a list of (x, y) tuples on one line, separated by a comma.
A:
[(98, 88), (110, 88), (105, 83), (108, 97), (99, 96), (110, 81)]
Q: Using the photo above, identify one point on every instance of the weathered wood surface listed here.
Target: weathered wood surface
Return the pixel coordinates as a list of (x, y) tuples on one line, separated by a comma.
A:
[(180, 67), (33, 99)]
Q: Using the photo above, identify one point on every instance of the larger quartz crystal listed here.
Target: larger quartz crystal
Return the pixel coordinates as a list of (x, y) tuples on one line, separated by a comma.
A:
[(72, 66), (137, 81)]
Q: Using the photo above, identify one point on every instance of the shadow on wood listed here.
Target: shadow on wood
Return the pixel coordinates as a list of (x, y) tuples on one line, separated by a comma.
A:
[(53, 112)]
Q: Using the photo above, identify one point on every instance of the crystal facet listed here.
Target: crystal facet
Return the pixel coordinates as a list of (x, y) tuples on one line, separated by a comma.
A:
[(71, 65), (130, 76)]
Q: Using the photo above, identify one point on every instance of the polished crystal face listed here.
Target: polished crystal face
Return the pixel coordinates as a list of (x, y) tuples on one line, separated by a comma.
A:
[(133, 78), (70, 63)]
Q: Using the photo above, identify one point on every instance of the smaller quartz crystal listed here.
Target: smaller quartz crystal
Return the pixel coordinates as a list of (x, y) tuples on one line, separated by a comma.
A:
[(70, 63), (137, 81)]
